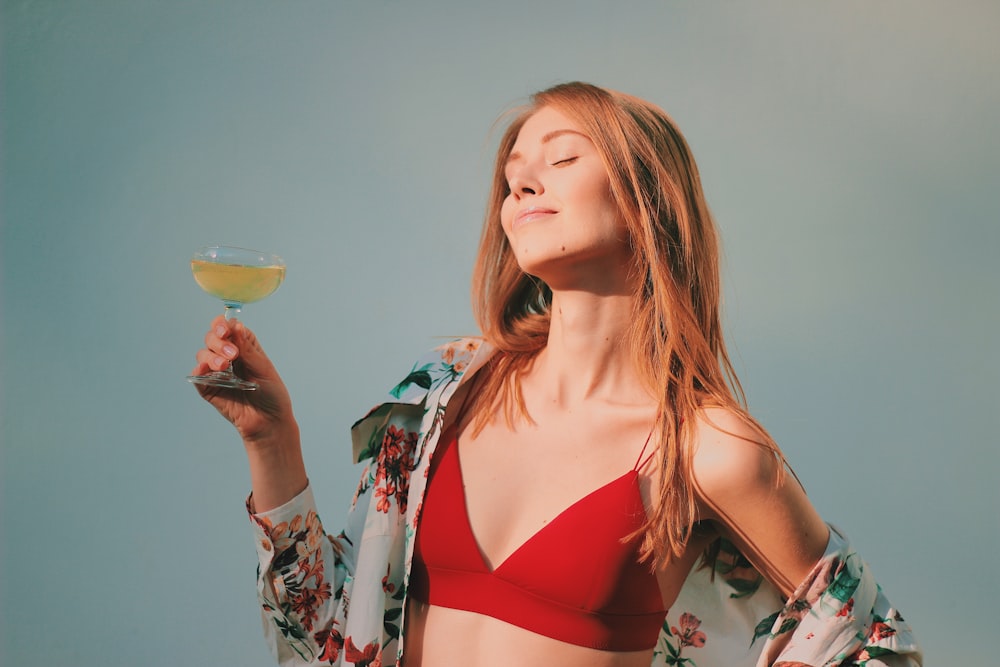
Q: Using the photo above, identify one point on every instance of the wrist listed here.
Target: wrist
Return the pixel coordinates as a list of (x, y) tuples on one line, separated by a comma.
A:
[(274, 441), (277, 471)]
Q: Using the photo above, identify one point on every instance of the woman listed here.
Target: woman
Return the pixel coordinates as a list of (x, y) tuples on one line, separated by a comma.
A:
[(545, 494)]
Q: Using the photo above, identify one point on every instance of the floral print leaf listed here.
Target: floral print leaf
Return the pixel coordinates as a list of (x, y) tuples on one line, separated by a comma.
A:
[(787, 625), (391, 631), (744, 587), (285, 558), (420, 377), (764, 627), (371, 448), (736, 570), (730, 558), (727, 547), (290, 629), (723, 567), (798, 606), (844, 586)]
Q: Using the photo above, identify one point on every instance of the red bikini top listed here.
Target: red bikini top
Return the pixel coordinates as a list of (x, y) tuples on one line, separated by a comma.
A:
[(574, 580)]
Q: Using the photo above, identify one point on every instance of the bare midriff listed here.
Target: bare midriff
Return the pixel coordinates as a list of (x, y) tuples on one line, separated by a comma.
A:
[(438, 636)]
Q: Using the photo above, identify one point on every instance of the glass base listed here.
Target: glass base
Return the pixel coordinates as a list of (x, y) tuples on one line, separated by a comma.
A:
[(223, 379)]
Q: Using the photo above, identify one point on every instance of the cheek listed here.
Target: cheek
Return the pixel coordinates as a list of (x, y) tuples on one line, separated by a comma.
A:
[(602, 203), (596, 190)]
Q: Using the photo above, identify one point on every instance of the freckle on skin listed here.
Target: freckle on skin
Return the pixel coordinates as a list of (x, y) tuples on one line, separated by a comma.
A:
[(564, 248)]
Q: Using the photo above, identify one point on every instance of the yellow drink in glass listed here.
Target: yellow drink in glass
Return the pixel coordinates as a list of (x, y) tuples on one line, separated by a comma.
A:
[(235, 276), (237, 283)]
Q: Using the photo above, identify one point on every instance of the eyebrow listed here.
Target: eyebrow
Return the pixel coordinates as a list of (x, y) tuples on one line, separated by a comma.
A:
[(546, 138)]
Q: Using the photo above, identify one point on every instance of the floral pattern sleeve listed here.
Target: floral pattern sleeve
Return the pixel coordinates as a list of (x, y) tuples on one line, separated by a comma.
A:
[(300, 581)]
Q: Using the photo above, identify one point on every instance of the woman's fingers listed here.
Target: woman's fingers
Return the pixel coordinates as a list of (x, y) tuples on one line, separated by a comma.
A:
[(219, 339), (260, 416), (219, 350), (251, 355), (209, 360), (228, 341)]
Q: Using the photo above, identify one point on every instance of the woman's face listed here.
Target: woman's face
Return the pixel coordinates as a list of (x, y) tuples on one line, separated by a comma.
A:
[(559, 217)]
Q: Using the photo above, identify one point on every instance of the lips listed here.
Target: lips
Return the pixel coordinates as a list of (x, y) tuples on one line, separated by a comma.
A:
[(531, 214)]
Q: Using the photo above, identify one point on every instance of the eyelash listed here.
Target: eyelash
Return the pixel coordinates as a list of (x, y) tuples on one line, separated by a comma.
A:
[(568, 160)]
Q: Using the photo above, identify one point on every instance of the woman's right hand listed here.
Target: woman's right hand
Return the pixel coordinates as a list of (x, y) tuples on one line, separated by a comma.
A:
[(263, 416)]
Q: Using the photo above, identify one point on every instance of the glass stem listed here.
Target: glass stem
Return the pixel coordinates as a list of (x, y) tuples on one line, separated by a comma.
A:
[(232, 312)]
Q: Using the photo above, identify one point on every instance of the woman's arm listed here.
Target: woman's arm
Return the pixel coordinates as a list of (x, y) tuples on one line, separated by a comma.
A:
[(835, 612), (766, 514), (302, 569), (263, 417)]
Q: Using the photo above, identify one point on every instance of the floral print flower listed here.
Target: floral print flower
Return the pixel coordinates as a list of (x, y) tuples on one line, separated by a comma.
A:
[(394, 464), (370, 656), (306, 604), (847, 608), (387, 585), (686, 634), (880, 631), (331, 643), (448, 354), (689, 634)]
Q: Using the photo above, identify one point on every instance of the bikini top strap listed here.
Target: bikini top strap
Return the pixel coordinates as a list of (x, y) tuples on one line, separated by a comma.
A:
[(641, 462)]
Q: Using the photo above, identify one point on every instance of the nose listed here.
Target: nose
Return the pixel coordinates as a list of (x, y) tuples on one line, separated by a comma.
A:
[(523, 181)]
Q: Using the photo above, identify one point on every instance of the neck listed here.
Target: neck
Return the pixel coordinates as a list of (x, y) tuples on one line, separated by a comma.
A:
[(586, 357)]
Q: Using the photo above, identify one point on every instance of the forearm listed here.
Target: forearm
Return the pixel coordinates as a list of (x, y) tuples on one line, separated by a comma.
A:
[(277, 471)]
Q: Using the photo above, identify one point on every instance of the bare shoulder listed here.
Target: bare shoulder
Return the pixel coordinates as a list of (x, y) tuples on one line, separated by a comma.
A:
[(731, 455), (741, 486)]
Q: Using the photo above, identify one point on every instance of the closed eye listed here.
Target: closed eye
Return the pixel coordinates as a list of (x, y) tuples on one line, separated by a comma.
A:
[(569, 160)]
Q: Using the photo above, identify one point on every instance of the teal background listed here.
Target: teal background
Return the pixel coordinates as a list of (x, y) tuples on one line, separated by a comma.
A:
[(849, 151)]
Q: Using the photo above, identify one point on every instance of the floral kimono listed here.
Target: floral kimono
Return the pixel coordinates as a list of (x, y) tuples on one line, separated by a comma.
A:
[(341, 599)]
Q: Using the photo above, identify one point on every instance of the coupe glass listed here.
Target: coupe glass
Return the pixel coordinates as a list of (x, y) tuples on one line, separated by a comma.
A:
[(236, 276)]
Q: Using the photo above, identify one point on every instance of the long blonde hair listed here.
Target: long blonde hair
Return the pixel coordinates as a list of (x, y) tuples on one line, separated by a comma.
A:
[(675, 337)]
